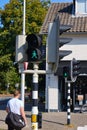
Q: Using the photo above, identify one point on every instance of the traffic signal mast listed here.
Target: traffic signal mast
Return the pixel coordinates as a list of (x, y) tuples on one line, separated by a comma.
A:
[(75, 69)]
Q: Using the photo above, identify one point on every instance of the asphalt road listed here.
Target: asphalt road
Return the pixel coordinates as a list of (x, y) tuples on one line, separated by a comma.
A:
[(50, 121)]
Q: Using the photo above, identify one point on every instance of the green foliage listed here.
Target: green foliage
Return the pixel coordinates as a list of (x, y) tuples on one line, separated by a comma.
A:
[(35, 13), (8, 73), (12, 76), (11, 19)]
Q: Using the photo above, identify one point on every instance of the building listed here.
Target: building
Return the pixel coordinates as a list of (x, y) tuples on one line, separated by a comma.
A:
[(74, 14)]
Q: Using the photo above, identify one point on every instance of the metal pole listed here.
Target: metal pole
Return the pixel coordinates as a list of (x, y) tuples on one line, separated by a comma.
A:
[(23, 74), (22, 87), (34, 114), (74, 96), (24, 14), (68, 104)]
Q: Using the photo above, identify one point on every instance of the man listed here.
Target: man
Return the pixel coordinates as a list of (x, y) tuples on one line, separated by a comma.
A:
[(16, 106)]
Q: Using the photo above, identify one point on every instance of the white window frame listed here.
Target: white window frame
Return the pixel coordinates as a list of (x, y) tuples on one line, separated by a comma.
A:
[(86, 7), (76, 8)]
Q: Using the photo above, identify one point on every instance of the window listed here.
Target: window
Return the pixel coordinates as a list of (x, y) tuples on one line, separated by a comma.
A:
[(81, 7)]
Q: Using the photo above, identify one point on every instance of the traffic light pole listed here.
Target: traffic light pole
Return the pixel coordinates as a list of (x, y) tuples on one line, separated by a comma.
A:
[(68, 101), (22, 87), (34, 115), (68, 105), (23, 74), (74, 73)]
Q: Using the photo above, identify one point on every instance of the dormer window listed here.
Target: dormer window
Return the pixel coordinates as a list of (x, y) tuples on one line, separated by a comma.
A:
[(81, 7)]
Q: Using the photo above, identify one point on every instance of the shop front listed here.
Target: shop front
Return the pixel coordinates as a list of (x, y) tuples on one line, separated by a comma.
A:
[(78, 93)]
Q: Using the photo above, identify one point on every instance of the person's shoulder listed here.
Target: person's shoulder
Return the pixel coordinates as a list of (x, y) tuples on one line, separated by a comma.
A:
[(10, 99), (19, 100)]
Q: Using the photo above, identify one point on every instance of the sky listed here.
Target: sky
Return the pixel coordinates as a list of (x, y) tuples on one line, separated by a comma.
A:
[(3, 2)]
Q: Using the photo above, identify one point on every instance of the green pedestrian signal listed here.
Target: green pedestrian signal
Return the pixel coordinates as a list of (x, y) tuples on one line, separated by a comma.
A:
[(66, 72), (34, 54), (34, 44)]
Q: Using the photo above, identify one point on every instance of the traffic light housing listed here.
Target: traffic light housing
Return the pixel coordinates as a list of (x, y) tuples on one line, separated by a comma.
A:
[(75, 69), (54, 43), (66, 71), (34, 47), (20, 50), (63, 40)]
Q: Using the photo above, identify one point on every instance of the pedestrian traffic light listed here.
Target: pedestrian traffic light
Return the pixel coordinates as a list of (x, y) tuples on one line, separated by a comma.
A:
[(34, 44), (75, 69), (66, 71)]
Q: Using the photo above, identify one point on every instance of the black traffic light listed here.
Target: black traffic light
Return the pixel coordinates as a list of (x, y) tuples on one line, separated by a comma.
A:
[(54, 54), (75, 68), (62, 41), (34, 47), (66, 71)]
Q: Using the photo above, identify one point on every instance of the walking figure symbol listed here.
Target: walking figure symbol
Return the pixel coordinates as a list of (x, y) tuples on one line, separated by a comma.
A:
[(34, 54)]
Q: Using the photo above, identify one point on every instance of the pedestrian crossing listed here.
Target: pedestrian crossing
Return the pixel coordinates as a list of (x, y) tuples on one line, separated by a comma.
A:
[(82, 128)]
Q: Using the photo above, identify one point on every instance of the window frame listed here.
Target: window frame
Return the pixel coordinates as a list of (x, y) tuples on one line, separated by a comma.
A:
[(76, 9)]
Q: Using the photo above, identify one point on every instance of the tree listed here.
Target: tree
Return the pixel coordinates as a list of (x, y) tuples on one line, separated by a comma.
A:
[(11, 19), (36, 11), (8, 73)]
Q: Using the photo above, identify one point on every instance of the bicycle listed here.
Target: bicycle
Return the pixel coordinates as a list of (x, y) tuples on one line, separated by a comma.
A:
[(83, 108)]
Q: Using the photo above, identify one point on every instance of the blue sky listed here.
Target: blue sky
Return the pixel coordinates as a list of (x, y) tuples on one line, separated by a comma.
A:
[(3, 2)]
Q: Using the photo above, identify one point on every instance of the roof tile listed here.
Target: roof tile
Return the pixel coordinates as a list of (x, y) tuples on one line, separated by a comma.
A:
[(64, 11)]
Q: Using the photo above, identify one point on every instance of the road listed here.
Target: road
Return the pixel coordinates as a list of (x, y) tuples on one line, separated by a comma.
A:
[(50, 121)]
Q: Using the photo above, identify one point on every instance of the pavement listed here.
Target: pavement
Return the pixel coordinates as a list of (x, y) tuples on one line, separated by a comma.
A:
[(50, 120)]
